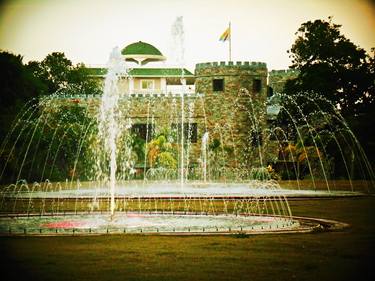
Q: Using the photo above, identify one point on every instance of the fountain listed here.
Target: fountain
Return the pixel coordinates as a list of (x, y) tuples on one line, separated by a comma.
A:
[(109, 117), (204, 155), (103, 194)]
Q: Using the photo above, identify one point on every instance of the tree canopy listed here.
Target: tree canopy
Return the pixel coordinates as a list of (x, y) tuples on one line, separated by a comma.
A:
[(17, 87), (17, 82), (57, 72), (333, 66), (335, 76), (20, 83), (24, 126)]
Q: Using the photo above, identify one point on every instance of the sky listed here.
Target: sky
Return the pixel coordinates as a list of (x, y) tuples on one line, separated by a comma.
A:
[(87, 30)]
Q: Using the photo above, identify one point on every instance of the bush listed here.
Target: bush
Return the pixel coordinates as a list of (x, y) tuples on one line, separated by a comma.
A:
[(260, 173), (166, 160)]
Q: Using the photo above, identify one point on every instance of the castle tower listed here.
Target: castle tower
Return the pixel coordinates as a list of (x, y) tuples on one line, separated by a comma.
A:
[(235, 106)]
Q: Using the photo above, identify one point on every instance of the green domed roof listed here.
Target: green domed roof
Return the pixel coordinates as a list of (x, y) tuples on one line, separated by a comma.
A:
[(142, 53), (141, 48)]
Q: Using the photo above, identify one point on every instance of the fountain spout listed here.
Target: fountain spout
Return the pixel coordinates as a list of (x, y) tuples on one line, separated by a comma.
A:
[(204, 155), (108, 117)]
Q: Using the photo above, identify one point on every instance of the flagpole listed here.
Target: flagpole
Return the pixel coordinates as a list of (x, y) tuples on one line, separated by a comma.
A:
[(230, 43)]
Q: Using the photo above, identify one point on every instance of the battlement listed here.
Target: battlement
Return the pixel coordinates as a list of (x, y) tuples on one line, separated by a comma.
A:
[(239, 64), (284, 72)]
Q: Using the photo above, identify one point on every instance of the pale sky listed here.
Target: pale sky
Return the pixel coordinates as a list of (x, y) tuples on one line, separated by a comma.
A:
[(87, 30)]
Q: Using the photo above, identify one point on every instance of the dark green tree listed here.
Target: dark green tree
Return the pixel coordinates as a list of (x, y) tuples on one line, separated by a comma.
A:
[(333, 66), (17, 87), (59, 73), (21, 90)]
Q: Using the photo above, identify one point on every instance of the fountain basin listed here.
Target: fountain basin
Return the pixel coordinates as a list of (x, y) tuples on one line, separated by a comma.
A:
[(254, 189), (177, 223)]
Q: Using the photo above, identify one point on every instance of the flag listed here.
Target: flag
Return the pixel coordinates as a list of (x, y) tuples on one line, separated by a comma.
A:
[(226, 35)]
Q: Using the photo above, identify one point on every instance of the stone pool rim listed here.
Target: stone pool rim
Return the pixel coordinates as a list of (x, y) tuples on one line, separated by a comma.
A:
[(307, 225)]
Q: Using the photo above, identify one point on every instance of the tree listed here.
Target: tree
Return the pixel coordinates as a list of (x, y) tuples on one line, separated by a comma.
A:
[(58, 72), (30, 130), (161, 153), (331, 68), (17, 87), (331, 65)]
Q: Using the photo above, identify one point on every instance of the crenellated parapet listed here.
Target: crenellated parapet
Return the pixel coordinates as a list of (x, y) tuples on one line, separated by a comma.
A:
[(278, 78), (284, 72), (234, 76), (234, 69), (239, 64)]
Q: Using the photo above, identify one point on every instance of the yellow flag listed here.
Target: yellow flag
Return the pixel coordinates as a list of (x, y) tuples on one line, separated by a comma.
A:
[(226, 35)]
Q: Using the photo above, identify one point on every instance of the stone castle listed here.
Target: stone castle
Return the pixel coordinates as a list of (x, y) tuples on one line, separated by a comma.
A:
[(226, 99)]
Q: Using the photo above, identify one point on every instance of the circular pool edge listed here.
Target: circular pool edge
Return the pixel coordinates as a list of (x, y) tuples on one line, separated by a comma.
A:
[(298, 224)]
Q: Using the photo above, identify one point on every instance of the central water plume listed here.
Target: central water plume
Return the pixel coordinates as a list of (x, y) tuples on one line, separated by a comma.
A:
[(109, 117), (178, 37)]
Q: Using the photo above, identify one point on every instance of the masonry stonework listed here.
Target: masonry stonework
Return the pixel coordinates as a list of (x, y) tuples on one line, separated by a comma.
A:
[(236, 115), (278, 78)]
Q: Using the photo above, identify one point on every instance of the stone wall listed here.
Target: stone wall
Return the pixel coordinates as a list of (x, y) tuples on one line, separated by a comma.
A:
[(278, 78), (161, 111), (236, 115), (165, 111)]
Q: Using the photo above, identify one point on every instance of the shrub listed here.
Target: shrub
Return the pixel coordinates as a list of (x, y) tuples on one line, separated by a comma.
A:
[(260, 173), (166, 160)]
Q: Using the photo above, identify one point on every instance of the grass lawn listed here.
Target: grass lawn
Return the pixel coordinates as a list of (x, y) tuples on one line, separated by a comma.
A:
[(346, 255)]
